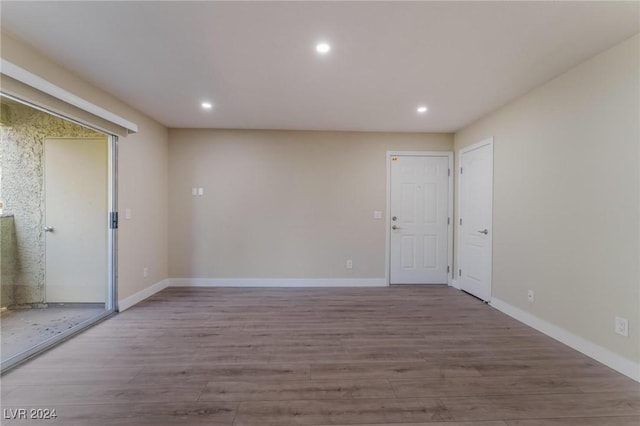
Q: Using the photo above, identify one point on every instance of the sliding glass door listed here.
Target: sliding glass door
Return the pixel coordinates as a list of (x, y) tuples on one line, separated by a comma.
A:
[(57, 233)]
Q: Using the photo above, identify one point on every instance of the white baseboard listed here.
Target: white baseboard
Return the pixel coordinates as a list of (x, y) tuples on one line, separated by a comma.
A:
[(455, 284), (593, 350), (277, 282), (138, 297)]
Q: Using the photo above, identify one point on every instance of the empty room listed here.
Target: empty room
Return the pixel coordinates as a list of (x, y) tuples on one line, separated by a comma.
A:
[(320, 213)]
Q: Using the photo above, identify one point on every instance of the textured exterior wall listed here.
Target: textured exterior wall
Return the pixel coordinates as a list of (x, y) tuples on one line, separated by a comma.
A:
[(22, 136), (143, 173), (7, 260)]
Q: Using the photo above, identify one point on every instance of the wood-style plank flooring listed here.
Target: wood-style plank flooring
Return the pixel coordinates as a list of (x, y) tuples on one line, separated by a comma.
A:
[(375, 356)]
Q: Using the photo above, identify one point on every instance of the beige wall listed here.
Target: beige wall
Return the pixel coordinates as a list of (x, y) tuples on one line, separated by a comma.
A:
[(143, 174), (281, 204), (566, 198)]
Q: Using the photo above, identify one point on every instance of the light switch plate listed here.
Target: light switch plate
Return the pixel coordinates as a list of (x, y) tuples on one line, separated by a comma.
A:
[(127, 213), (200, 191), (194, 191), (377, 214)]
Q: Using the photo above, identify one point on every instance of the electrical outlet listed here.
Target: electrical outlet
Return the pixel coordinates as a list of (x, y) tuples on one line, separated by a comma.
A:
[(530, 296), (349, 264), (622, 326), (145, 272)]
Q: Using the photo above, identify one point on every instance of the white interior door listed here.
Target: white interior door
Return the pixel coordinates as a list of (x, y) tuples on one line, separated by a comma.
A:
[(419, 198), (475, 218), (76, 220)]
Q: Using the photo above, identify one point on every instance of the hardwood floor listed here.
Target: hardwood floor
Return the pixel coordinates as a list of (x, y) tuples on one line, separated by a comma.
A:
[(394, 356)]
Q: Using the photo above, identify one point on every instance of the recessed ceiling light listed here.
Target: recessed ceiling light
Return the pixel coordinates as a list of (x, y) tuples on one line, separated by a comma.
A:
[(422, 109), (206, 105), (323, 48)]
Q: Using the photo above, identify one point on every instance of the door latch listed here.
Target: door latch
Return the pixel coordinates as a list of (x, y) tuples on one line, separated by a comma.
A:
[(113, 220)]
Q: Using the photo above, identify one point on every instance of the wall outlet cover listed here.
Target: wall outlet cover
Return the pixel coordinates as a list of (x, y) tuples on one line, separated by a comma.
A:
[(530, 296), (622, 326)]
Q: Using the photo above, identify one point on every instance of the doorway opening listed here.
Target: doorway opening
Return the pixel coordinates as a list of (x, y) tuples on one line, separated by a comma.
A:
[(57, 245)]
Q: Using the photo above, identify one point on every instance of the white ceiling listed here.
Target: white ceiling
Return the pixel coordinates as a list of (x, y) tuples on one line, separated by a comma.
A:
[(256, 60)]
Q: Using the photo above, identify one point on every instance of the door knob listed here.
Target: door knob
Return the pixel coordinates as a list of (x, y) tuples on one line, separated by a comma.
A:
[(395, 227), (484, 231), (394, 218), (48, 229)]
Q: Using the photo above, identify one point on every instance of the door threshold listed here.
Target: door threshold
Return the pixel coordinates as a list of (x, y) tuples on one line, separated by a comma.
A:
[(475, 297)]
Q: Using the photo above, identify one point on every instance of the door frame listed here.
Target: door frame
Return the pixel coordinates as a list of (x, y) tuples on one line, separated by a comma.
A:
[(112, 234), (484, 142), (449, 156)]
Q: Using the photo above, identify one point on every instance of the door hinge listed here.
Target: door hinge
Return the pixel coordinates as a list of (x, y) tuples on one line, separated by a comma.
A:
[(460, 170), (459, 272), (448, 221), (460, 221), (448, 172), (448, 269), (113, 220)]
